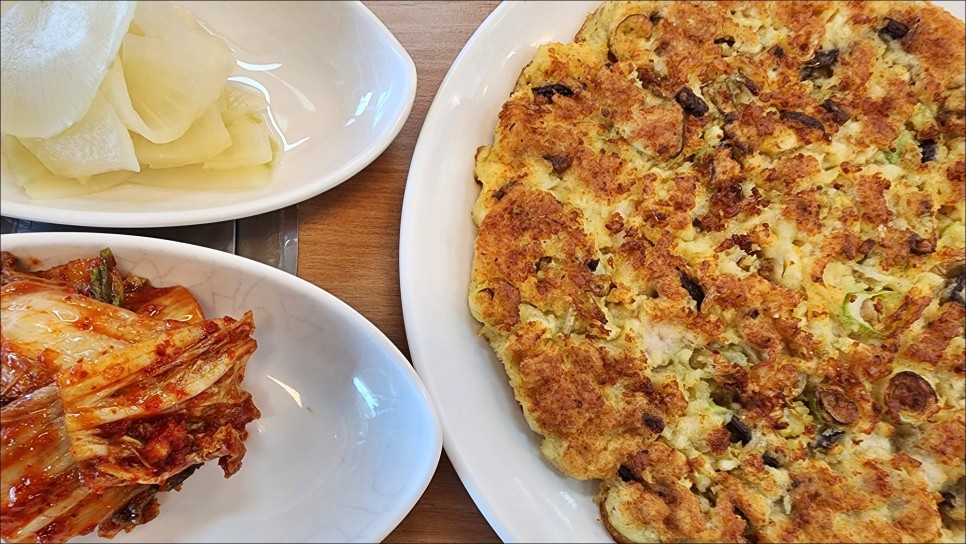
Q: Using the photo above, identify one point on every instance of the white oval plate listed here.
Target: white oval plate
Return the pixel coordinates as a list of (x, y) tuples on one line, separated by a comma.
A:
[(347, 441), (340, 85), (485, 435)]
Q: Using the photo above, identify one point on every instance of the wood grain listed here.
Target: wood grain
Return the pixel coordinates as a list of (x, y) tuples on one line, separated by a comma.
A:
[(349, 238)]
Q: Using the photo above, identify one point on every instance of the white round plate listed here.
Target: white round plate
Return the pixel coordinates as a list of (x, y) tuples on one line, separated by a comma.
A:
[(485, 435), (348, 439), (340, 86)]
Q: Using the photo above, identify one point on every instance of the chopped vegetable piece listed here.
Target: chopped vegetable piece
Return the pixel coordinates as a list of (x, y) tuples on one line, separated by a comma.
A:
[(852, 311), (909, 396), (107, 285), (835, 406), (899, 146)]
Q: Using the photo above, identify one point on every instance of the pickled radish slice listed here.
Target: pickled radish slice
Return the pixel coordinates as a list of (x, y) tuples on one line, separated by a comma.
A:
[(238, 100), (57, 52), (114, 89), (158, 19), (98, 143), (251, 145), (160, 109), (195, 178), (172, 79), (206, 138), (40, 183)]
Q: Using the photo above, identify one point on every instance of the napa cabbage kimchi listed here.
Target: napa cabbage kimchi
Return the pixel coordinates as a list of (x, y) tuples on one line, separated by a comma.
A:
[(112, 390)]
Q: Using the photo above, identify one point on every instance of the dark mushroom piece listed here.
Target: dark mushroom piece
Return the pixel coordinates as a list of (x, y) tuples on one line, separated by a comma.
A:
[(819, 65), (893, 30), (927, 150), (953, 505), (693, 288), (626, 474), (739, 431), (828, 438), (547, 91), (502, 191), (803, 119), (690, 102), (559, 163), (921, 246), (749, 84), (909, 397), (654, 423), (770, 460), (834, 406), (955, 289), (837, 112), (542, 262)]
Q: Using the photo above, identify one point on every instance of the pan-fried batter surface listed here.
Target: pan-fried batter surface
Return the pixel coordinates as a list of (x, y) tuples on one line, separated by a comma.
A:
[(720, 256)]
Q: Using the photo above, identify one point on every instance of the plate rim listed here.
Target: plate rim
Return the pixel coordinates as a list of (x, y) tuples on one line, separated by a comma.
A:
[(25, 241), (419, 352), (32, 211)]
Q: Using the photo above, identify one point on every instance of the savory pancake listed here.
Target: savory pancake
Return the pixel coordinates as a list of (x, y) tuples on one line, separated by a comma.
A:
[(720, 256)]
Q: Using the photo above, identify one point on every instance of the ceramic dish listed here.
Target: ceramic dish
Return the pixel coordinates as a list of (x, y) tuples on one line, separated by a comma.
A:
[(348, 439), (340, 86), (485, 435)]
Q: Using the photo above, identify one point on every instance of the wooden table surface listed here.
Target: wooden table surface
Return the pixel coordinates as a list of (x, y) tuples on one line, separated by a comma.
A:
[(355, 226)]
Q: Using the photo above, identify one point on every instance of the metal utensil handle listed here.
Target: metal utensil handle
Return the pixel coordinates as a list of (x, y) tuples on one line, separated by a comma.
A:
[(271, 238)]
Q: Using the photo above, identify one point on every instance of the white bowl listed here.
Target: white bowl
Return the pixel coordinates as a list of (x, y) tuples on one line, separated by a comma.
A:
[(347, 441), (340, 86)]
